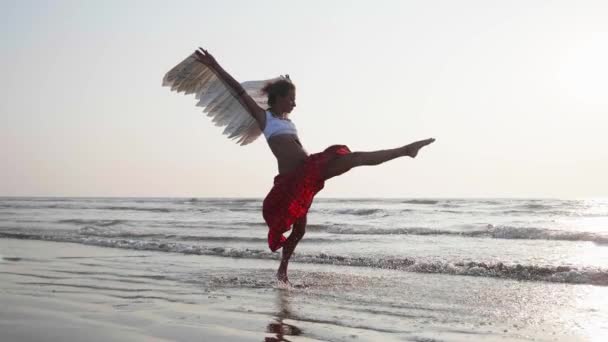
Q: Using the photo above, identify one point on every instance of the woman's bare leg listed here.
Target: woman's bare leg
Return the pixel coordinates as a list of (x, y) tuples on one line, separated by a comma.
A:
[(346, 162), (298, 230), (337, 167)]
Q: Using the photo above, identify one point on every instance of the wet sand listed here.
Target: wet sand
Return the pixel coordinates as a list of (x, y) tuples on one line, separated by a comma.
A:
[(71, 292)]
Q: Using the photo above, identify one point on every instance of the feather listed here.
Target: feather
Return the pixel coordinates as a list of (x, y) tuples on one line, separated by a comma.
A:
[(218, 101)]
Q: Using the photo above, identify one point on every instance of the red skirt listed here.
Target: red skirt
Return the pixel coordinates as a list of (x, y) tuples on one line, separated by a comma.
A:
[(292, 194)]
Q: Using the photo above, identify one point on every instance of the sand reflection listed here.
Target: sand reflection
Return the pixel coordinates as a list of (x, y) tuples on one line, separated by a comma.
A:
[(277, 326)]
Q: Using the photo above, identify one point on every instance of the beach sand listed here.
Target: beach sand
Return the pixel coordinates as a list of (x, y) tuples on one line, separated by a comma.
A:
[(54, 291)]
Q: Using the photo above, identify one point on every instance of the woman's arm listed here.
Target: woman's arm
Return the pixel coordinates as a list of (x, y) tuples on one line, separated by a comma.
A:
[(252, 107)]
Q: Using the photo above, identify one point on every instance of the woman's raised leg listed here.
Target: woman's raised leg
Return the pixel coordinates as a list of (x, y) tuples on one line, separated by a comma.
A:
[(346, 162), (298, 230)]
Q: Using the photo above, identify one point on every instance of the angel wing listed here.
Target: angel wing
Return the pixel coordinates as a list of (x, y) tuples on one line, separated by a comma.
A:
[(219, 101)]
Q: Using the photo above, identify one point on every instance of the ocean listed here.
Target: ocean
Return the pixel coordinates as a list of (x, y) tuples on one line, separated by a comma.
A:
[(376, 269)]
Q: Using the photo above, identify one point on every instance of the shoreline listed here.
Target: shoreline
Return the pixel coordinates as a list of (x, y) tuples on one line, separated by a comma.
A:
[(58, 291)]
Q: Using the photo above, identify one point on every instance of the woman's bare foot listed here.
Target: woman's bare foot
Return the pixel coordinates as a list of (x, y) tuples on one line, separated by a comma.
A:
[(412, 149), (283, 281), (282, 275)]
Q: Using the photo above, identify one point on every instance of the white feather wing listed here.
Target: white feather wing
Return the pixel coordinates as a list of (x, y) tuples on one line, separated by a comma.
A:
[(218, 100)]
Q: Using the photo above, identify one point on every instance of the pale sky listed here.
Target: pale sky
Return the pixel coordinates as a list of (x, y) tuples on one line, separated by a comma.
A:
[(515, 92)]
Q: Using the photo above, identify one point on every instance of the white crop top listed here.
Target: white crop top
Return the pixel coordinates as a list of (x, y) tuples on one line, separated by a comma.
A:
[(276, 126)]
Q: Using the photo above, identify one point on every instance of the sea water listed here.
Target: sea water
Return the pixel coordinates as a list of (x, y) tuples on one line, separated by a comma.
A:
[(386, 265)]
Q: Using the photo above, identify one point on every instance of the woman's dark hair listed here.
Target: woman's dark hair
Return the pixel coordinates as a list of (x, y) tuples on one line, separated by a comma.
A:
[(278, 88)]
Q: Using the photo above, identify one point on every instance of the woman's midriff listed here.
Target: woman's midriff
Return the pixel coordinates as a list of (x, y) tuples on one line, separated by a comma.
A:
[(289, 152)]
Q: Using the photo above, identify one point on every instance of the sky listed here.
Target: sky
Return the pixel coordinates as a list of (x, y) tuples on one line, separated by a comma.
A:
[(515, 92)]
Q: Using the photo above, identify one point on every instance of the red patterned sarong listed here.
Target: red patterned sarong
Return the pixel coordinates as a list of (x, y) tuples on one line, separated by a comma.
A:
[(292, 194)]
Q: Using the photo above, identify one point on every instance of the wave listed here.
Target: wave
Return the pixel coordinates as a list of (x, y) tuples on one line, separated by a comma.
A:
[(556, 274), (96, 232), (93, 231), (49, 206), (100, 223), (487, 202), (500, 232), (85, 207), (244, 209), (156, 210), (227, 207), (535, 211), (420, 201), (162, 210), (358, 212), (217, 200), (496, 232), (535, 206)]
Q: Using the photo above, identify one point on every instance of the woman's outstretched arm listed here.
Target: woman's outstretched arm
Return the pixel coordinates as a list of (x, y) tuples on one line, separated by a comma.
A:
[(252, 107)]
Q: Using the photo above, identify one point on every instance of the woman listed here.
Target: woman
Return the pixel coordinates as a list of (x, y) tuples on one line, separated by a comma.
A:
[(301, 175)]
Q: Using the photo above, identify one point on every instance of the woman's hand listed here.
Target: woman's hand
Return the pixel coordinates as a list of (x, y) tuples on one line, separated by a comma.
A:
[(205, 57)]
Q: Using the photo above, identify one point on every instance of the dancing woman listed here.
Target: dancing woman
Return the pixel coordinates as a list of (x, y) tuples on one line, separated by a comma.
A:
[(240, 107)]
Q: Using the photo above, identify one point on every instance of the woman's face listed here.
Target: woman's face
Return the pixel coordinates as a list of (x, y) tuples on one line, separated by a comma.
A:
[(285, 104)]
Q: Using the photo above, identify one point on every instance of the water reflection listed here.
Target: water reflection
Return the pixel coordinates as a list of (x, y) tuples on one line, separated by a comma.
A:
[(277, 326)]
